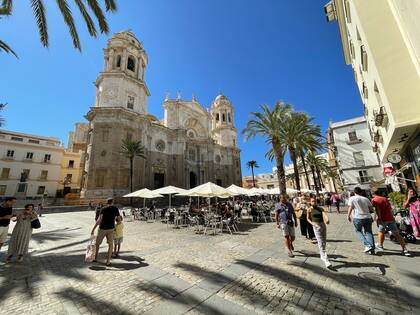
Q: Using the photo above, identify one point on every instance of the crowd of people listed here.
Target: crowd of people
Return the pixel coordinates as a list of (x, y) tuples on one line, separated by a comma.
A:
[(362, 212)]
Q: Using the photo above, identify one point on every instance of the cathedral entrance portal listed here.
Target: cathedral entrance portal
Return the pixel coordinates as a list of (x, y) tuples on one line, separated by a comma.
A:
[(193, 180), (159, 180)]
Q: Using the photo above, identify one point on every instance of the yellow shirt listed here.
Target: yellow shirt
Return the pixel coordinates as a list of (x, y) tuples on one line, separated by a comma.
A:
[(118, 231)]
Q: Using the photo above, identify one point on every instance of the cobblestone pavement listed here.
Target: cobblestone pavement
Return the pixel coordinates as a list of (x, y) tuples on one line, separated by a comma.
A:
[(163, 270)]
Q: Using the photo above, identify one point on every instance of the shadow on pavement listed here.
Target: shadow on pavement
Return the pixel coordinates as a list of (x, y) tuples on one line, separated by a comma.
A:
[(116, 265), (352, 264), (53, 235)]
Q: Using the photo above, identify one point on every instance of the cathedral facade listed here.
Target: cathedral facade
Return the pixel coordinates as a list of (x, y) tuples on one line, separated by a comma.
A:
[(190, 146)]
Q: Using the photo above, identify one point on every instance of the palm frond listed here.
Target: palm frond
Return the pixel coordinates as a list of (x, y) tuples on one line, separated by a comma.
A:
[(110, 5), (6, 48), (88, 20), (103, 25), (6, 7), (132, 148), (41, 21), (68, 19)]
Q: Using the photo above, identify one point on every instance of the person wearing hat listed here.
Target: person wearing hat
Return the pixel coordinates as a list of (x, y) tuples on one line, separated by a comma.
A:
[(106, 222)]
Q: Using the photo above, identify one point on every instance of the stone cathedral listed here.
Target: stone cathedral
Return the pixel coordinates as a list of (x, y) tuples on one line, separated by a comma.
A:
[(190, 146)]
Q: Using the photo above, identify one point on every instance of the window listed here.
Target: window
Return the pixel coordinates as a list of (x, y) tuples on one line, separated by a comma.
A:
[(3, 190), (229, 120), (100, 179), (22, 187), (5, 172), (10, 153), (347, 9), (47, 158), (352, 51), (359, 159), (364, 58), (217, 117), (41, 190), (118, 65), (364, 177), (33, 141), (105, 135), (44, 174), (191, 154), (223, 117), (24, 175), (377, 95), (29, 155), (358, 34), (17, 139), (68, 178), (71, 163), (130, 102), (365, 90), (131, 64), (353, 136)]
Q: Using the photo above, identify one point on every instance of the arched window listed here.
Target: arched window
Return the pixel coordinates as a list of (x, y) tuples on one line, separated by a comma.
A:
[(223, 117), (229, 120), (118, 65), (217, 117), (131, 64)]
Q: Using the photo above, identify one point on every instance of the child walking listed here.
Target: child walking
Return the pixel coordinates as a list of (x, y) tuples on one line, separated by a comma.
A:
[(118, 236), (319, 218)]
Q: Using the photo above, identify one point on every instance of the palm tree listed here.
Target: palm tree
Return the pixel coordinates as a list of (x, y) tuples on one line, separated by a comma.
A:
[(251, 165), (131, 149), (317, 165), (298, 132), (333, 175), (267, 123), (39, 11)]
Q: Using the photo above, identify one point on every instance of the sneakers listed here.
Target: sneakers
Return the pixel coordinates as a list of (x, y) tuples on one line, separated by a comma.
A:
[(379, 248), (367, 249), (406, 253), (327, 263)]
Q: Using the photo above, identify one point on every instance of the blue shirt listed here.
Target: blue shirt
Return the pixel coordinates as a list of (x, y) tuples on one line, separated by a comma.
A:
[(284, 211)]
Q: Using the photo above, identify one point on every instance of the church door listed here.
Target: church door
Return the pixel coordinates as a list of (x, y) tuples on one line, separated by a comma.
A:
[(159, 180), (193, 180)]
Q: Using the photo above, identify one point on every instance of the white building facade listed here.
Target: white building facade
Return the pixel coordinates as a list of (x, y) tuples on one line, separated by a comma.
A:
[(30, 166), (351, 143)]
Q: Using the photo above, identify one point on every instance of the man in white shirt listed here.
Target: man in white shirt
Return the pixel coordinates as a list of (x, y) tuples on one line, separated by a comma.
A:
[(360, 208)]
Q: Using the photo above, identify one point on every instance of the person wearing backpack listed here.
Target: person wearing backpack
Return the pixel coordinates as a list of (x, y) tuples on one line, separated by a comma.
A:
[(286, 221)]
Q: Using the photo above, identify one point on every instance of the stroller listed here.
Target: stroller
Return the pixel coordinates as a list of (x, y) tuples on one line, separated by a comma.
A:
[(404, 226)]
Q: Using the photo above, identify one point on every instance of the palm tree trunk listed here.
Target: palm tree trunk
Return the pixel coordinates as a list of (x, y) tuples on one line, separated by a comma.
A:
[(315, 180), (131, 174), (281, 174), (302, 157), (253, 179), (318, 174), (295, 167)]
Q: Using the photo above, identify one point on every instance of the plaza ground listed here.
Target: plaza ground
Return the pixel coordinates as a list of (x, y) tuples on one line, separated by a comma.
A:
[(163, 270)]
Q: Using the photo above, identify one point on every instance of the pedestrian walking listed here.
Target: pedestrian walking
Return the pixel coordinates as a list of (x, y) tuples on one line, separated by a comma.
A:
[(335, 200), (286, 222), (106, 223), (386, 222), (318, 218), (412, 202), (6, 213), (39, 209), (22, 232), (301, 210), (359, 208), (328, 202), (118, 236)]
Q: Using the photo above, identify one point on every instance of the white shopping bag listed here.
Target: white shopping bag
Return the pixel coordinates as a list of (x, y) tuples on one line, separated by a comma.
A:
[(90, 249)]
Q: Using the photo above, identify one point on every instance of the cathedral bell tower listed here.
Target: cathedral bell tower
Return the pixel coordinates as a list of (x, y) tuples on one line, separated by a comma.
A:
[(122, 82), (223, 131)]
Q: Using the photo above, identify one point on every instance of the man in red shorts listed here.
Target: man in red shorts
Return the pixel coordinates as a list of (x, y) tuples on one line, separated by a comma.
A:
[(386, 221)]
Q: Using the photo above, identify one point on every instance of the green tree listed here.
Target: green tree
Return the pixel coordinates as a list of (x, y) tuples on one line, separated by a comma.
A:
[(251, 165), (39, 11), (298, 133), (317, 165), (267, 123), (131, 149)]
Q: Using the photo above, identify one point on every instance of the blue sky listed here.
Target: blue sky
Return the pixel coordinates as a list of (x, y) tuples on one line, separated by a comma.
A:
[(252, 51)]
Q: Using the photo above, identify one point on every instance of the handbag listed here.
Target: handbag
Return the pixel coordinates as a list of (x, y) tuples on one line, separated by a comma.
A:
[(90, 250), (36, 224)]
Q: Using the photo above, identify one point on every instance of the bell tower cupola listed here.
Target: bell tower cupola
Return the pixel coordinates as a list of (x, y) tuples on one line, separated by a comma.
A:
[(223, 130), (122, 81)]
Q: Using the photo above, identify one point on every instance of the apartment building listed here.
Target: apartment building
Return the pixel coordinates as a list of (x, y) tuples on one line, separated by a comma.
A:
[(381, 41), (30, 166), (351, 148)]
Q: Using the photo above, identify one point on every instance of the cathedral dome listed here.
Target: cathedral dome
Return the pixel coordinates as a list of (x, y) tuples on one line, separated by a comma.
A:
[(221, 97), (221, 100)]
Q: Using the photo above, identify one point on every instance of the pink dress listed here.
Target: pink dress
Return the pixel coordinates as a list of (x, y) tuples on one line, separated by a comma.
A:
[(415, 217)]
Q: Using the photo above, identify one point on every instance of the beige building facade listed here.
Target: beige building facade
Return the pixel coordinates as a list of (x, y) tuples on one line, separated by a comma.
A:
[(381, 41), (189, 146)]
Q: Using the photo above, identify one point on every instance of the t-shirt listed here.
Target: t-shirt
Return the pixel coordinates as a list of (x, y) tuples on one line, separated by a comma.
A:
[(109, 214), (284, 211), (118, 232), (383, 208), (316, 214), (360, 207), (3, 212)]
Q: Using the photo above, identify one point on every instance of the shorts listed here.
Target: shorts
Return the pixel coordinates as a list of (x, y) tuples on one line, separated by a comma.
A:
[(384, 226), (287, 230), (3, 233), (109, 234), (118, 241)]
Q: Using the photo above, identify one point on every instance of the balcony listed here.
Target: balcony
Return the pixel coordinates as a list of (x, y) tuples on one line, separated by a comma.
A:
[(354, 141), (377, 137), (365, 179), (380, 117)]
